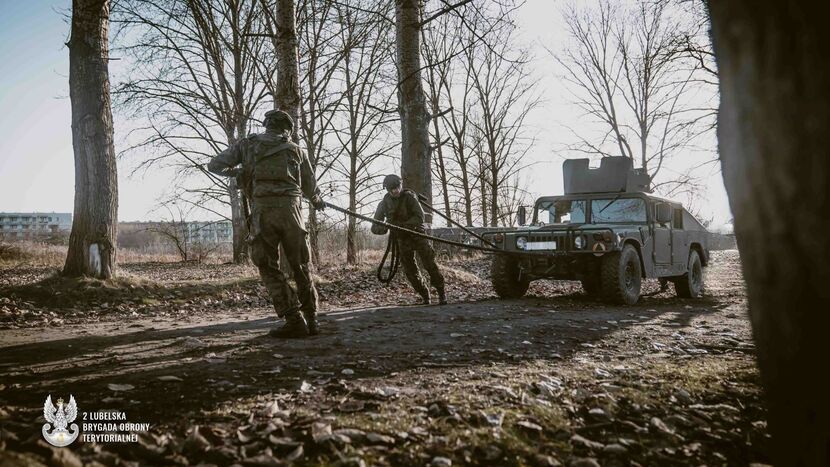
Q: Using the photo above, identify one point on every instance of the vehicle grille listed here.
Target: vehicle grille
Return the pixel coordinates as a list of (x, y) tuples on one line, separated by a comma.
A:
[(560, 239)]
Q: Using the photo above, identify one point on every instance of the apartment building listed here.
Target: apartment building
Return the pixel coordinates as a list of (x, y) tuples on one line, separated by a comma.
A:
[(190, 232), (33, 225)]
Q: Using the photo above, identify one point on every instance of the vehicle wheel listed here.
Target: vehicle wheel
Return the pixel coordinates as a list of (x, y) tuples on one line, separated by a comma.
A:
[(690, 285), (622, 276), (504, 273), (592, 286)]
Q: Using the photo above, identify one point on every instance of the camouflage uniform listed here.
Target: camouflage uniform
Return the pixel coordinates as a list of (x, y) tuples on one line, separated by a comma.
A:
[(405, 211), (275, 174)]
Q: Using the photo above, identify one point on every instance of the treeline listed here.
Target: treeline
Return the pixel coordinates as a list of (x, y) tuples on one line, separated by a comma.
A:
[(202, 72)]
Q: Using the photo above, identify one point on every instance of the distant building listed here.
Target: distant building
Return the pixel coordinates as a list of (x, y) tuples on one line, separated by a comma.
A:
[(33, 225), (209, 232), (189, 232)]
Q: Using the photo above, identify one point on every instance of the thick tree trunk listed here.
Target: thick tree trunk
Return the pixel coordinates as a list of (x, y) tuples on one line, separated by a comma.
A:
[(415, 150), (288, 72), (92, 240), (775, 149), (287, 96)]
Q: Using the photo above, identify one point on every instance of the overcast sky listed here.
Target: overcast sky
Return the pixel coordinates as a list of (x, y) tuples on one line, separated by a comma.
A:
[(36, 159)]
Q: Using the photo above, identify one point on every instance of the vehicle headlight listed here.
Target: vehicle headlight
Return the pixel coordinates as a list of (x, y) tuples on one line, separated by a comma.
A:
[(521, 243), (579, 242)]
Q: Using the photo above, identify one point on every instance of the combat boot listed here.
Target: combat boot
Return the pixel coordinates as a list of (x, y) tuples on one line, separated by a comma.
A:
[(294, 327), (442, 296), (311, 321)]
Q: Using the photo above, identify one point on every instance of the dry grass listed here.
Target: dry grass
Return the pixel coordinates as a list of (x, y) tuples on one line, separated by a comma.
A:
[(31, 253), (39, 254)]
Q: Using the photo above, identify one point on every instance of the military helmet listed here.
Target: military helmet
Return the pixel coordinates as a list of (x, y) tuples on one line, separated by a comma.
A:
[(391, 181), (278, 119)]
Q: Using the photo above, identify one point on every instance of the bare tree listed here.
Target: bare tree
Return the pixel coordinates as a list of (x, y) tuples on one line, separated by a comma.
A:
[(198, 78), (773, 138), (505, 95), (439, 47), (367, 54), (94, 227), (320, 55), (281, 22), (415, 148), (626, 71), (184, 235), (453, 47)]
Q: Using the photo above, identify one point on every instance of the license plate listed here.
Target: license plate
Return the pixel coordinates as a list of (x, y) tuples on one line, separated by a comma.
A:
[(541, 245)]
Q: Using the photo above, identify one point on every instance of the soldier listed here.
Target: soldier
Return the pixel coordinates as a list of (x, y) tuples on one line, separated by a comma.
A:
[(401, 207), (275, 173)]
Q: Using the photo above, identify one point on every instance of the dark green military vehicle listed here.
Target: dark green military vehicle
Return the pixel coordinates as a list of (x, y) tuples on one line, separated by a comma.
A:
[(606, 231)]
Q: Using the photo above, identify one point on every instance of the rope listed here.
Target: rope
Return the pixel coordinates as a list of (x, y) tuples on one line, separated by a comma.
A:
[(423, 200), (414, 233), (394, 261)]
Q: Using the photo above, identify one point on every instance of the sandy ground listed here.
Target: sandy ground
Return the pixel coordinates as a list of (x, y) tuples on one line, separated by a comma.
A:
[(552, 378)]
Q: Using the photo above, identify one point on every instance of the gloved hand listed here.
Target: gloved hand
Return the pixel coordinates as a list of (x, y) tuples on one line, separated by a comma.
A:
[(318, 203), (378, 229)]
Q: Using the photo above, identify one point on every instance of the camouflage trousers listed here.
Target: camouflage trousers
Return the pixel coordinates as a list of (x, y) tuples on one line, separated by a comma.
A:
[(408, 247), (276, 222)]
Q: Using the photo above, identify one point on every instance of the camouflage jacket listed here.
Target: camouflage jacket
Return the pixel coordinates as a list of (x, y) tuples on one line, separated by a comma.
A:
[(272, 166), (404, 211)]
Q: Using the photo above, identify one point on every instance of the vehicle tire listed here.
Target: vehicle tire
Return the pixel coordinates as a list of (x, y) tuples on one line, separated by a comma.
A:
[(622, 276), (504, 273), (690, 285), (592, 286)]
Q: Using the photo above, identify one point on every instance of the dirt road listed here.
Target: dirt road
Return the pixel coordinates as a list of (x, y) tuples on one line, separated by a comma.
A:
[(539, 381)]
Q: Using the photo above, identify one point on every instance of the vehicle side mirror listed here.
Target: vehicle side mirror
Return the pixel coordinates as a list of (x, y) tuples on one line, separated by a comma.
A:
[(664, 213), (521, 215)]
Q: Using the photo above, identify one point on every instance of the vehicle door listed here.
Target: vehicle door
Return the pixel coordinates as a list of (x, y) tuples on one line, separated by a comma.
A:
[(662, 234), (680, 241)]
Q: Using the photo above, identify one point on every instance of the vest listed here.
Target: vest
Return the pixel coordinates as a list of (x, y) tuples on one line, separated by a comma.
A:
[(274, 168)]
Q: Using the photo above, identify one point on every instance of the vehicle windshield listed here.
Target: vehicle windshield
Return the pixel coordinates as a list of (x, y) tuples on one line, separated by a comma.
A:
[(560, 211), (618, 210)]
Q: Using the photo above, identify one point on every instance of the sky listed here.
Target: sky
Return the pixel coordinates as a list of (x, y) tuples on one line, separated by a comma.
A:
[(36, 157)]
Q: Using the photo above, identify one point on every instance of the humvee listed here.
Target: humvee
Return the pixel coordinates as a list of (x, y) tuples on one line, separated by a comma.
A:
[(606, 231)]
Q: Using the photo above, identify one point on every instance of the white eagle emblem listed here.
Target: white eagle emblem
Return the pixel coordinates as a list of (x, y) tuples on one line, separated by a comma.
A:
[(60, 417)]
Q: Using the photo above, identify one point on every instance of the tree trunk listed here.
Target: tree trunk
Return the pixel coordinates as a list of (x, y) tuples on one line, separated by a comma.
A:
[(442, 168), (775, 149), (494, 187), (313, 227), (351, 225), (241, 253), (484, 212), (240, 228), (415, 150), (94, 226), (466, 189), (288, 73), (287, 96)]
